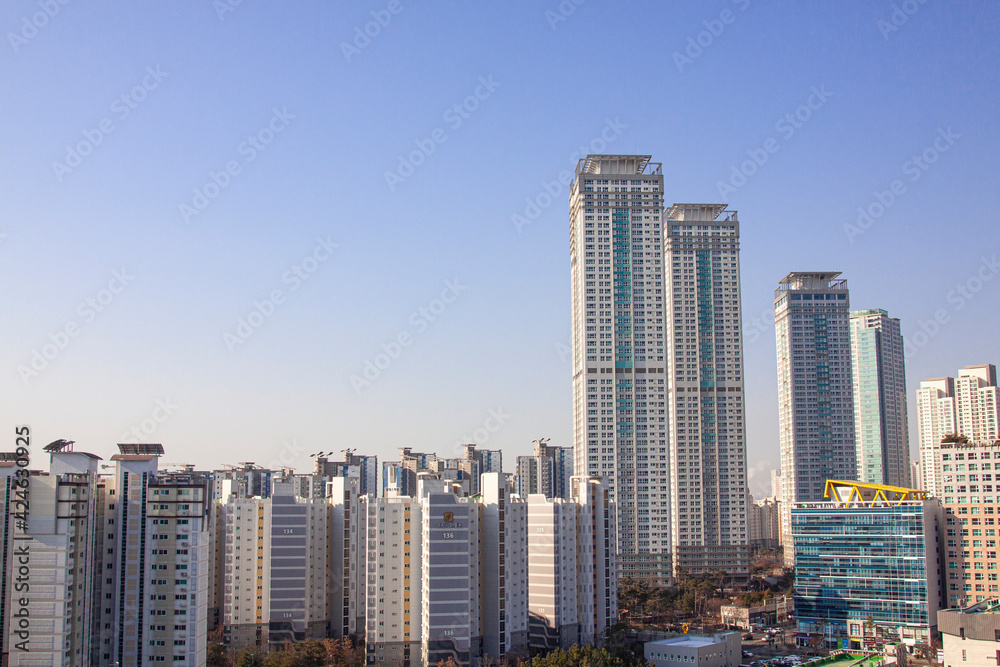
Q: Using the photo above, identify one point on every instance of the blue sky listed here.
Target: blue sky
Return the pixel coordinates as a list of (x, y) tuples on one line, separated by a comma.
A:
[(204, 85)]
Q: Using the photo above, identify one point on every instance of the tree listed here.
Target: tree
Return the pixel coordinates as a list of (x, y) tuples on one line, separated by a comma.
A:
[(216, 655), (955, 438), (344, 652), (249, 656), (586, 656)]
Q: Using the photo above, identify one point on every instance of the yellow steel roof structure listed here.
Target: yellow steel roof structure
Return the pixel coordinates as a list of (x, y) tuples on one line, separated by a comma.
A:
[(869, 495)]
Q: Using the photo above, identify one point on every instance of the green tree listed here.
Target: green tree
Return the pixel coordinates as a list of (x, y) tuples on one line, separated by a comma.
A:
[(586, 656), (216, 655), (249, 656)]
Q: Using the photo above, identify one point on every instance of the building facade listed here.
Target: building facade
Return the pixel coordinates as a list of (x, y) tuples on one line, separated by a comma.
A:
[(364, 468), (815, 393), (970, 491), (277, 561), (619, 302), (870, 556), (706, 418), (446, 573), (971, 636), (878, 371), (721, 650), (548, 471), (966, 407), (765, 522), (572, 581)]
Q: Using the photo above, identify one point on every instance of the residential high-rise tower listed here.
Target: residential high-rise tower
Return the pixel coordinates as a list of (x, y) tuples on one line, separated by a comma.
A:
[(815, 394), (878, 372), (705, 399), (619, 362)]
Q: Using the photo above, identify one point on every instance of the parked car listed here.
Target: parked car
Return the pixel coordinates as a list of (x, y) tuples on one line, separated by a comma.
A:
[(747, 636)]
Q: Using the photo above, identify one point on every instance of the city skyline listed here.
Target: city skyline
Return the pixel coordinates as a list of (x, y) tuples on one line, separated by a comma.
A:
[(202, 243)]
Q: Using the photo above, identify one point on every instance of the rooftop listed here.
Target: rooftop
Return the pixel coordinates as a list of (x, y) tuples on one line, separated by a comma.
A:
[(869, 311), (695, 212), (869, 495), (692, 641), (991, 606), (618, 165)]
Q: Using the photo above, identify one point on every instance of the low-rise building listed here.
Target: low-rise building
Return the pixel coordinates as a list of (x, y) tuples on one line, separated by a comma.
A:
[(772, 612), (720, 650), (971, 635)]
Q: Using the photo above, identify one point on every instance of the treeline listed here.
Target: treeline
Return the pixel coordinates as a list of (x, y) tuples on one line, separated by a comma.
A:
[(316, 653), (335, 652)]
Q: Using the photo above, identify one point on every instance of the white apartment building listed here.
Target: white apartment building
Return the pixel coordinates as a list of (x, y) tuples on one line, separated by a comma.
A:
[(503, 590), (449, 575), (815, 391), (392, 586), (878, 370), (446, 574), (572, 574), (619, 359), (706, 404), (965, 406), (61, 561), (277, 561)]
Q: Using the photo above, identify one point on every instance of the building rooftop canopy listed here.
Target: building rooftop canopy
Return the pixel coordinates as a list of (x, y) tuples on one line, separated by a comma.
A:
[(695, 212), (618, 164), (852, 494)]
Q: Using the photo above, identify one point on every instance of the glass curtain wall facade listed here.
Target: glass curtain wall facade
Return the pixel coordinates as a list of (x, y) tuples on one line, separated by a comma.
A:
[(856, 562)]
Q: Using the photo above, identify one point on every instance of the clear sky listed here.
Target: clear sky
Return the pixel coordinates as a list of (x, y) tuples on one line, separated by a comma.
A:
[(168, 168)]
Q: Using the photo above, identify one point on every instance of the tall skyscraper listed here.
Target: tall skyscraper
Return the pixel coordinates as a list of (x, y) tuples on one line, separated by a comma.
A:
[(880, 424), (619, 362), (964, 406), (705, 400), (815, 393)]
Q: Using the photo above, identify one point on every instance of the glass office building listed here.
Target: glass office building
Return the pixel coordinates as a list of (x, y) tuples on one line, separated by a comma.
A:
[(866, 566)]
